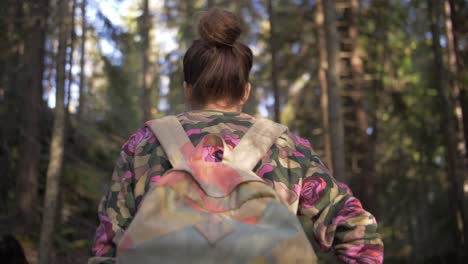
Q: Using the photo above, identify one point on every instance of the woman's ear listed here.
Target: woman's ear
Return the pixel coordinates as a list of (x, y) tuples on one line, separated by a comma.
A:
[(187, 92), (246, 94)]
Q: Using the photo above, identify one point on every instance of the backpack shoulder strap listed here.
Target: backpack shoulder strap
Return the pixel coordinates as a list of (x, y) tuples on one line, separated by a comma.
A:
[(173, 139), (256, 142)]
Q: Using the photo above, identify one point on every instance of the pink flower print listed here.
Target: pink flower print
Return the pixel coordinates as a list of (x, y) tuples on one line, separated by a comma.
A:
[(152, 139), (363, 253), (155, 178), (312, 191), (297, 189), (265, 169), (302, 141), (351, 209), (135, 139), (194, 131), (298, 154), (103, 233), (128, 175), (231, 140), (344, 186)]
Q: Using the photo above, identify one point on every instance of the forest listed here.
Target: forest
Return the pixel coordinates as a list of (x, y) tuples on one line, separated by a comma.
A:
[(379, 88)]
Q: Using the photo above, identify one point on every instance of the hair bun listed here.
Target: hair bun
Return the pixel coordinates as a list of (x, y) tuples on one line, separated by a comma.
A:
[(219, 27)]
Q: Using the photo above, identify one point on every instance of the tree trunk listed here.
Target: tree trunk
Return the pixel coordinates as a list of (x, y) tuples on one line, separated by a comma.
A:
[(360, 145), (377, 88), (57, 145), (189, 34), (453, 77), (15, 29), (454, 82), (31, 86), (334, 106), (68, 125), (323, 65), (379, 59), (463, 98), (70, 58), (455, 167), (146, 74), (274, 66), (81, 99)]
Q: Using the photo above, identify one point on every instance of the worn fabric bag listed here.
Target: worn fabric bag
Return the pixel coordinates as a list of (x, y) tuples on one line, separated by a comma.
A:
[(214, 212)]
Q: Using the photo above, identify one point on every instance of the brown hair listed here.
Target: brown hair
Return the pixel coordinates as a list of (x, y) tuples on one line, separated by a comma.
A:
[(217, 65)]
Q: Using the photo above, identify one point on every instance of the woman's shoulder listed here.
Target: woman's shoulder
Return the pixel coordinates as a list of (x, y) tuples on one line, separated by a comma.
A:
[(203, 120), (298, 146), (299, 141), (193, 122)]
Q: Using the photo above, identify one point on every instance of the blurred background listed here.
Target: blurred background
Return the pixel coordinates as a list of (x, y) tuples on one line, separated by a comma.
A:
[(379, 87)]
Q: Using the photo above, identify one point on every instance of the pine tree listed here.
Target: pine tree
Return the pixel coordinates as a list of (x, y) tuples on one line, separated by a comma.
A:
[(54, 169), (147, 78), (82, 85), (31, 90), (333, 86), (455, 166)]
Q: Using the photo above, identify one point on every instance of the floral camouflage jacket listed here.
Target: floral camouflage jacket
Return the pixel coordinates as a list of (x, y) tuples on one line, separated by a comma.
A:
[(334, 217)]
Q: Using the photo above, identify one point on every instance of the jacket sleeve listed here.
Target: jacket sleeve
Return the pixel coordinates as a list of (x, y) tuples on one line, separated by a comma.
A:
[(118, 206), (337, 218)]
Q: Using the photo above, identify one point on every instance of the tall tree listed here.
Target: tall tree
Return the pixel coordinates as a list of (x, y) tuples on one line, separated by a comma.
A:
[(457, 17), (359, 143), (70, 57), (322, 75), (274, 63), (54, 168), (32, 67), (378, 60), (13, 32), (333, 86), (81, 99), (187, 35), (187, 24), (454, 77), (455, 166), (146, 72)]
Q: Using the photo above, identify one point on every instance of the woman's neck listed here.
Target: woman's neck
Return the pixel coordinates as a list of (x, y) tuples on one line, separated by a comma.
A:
[(222, 107)]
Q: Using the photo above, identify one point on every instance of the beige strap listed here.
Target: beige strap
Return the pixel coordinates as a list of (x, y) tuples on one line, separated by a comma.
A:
[(173, 139), (252, 147), (256, 142)]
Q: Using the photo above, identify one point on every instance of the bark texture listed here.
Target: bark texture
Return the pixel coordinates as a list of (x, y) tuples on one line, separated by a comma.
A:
[(334, 106), (455, 166), (274, 63), (32, 66), (82, 100), (323, 65), (54, 169), (146, 74)]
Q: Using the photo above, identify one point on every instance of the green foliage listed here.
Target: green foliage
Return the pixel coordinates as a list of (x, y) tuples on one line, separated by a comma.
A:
[(412, 188)]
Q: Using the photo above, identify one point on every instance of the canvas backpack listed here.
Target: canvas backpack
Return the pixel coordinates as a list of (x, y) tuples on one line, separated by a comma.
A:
[(214, 212)]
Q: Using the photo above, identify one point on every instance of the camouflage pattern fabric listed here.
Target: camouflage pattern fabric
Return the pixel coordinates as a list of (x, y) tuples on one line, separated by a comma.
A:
[(334, 218)]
